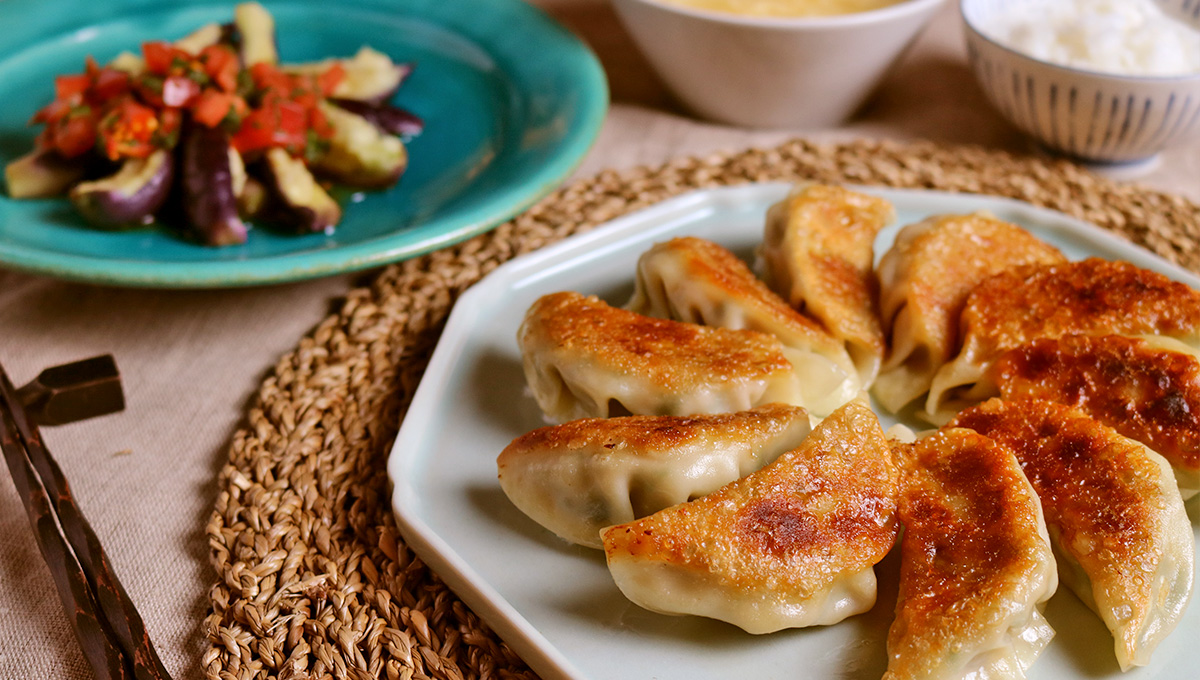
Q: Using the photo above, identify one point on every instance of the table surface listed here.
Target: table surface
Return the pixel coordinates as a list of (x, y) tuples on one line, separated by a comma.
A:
[(192, 360)]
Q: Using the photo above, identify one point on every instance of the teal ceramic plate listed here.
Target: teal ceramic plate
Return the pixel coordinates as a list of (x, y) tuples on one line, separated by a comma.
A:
[(511, 102)]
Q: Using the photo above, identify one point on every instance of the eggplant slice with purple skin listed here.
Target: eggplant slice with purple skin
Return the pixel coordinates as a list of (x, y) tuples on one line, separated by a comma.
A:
[(297, 202), (392, 120), (371, 76), (209, 194), (131, 196), (43, 174), (360, 154)]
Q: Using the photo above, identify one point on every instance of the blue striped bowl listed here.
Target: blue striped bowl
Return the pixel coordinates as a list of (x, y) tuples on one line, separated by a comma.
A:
[(1091, 116)]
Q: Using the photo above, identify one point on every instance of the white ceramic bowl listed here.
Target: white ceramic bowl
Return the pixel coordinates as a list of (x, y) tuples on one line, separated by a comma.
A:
[(769, 72), (1090, 116)]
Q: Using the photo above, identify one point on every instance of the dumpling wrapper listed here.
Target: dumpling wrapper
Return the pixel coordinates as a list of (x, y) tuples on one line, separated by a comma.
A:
[(925, 278), (579, 477), (1087, 297), (791, 545), (585, 359), (976, 567), (1116, 519), (1146, 388), (818, 253), (697, 281)]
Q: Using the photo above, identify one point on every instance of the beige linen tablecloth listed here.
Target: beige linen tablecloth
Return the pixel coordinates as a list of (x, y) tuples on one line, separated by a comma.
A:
[(191, 360)]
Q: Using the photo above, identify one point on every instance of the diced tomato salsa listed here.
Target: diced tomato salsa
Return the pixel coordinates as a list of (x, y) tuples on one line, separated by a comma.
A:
[(129, 116)]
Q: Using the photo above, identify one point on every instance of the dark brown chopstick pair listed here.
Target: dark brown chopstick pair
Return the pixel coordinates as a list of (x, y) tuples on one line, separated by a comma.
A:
[(109, 629)]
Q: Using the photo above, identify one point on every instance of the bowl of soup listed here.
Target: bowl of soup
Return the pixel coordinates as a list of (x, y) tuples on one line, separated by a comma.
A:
[(774, 63)]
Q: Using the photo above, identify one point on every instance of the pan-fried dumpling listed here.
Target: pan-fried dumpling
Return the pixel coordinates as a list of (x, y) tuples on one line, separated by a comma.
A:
[(976, 566), (1088, 297), (791, 545), (818, 252), (924, 280), (1146, 388), (1123, 537), (579, 477), (698, 281), (585, 359)]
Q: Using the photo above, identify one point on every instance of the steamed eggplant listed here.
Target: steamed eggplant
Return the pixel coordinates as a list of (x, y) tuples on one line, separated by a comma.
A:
[(209, 197), (256, 30), (359, 153), (42, 174), (390, 119), (371, 76), (297, 200), (131, 196)]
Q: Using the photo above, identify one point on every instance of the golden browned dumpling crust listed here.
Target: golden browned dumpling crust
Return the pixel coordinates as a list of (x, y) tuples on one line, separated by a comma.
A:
[(1093, 486), (1090, 297), (1113, 509), (819, 251), (697, 281), (947, 259), (670, 354), (650, 433), (975, 560), (714, 265), (925, 278), (1137, 387), (787, 545), (579, 477), (824, 508)]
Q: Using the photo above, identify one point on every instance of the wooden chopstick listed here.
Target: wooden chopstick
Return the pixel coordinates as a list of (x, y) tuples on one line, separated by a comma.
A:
[(106, 623), (99, 647)]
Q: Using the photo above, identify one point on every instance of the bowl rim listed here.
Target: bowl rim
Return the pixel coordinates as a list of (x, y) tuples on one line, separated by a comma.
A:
[(901, 9), (1077, 70)]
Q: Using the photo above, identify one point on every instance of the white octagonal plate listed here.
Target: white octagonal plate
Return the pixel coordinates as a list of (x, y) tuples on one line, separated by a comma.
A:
[(555, 603)]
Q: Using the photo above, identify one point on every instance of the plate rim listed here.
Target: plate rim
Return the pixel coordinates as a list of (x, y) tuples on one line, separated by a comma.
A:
[(472, 587), (578, 63)]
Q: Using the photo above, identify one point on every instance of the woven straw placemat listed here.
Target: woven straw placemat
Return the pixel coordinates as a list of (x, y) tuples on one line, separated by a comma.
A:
[(314, 581)]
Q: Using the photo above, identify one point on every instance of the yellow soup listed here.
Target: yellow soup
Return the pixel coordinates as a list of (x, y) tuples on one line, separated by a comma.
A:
[(786, 8)]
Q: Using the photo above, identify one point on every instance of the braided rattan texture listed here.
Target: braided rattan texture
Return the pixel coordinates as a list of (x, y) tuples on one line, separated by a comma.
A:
[(313, 580)]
